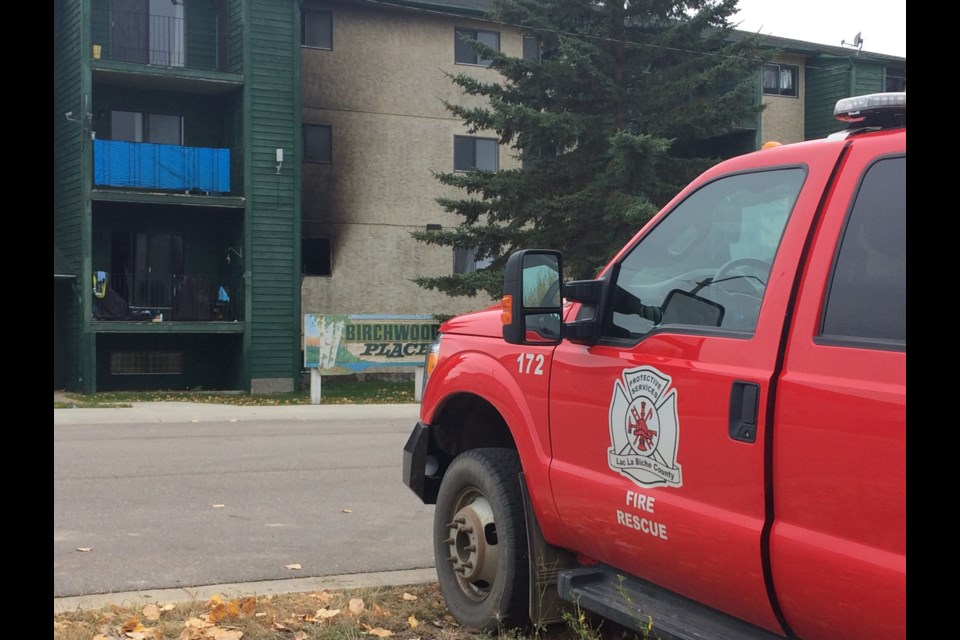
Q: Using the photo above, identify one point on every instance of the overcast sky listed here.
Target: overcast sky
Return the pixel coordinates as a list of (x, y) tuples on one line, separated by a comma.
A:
[(881, 23)]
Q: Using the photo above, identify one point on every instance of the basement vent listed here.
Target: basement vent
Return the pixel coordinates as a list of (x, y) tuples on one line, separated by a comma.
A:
[(138, 363)]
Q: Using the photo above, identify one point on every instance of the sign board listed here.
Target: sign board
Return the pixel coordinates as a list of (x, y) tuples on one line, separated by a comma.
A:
[(343, 344)]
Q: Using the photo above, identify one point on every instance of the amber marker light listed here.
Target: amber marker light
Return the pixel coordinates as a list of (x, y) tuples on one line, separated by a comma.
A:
[(506, 309), (432, 358)]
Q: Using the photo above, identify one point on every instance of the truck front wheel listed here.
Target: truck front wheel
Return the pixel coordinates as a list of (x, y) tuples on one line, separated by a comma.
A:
[(480, 542)]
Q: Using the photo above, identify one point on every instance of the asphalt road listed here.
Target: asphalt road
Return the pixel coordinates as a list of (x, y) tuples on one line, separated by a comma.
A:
[(173, 495)]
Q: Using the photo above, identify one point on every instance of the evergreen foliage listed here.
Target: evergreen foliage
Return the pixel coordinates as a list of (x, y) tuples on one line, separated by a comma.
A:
[(628, 101)]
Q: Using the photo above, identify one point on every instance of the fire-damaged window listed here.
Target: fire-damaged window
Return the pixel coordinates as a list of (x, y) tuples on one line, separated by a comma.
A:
[(315, 257)]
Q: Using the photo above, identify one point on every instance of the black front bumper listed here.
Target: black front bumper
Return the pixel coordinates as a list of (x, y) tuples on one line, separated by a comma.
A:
[(417, 457)]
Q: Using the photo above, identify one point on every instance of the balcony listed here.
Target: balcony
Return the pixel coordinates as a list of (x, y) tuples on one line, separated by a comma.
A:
[(162, 37), (164, 167), (163, 299)]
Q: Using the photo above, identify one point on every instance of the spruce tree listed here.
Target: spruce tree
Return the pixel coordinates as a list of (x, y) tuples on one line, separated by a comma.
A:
[(626, 103)]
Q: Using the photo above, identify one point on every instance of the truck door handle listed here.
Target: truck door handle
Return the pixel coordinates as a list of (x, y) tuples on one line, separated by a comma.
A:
[(744, 403)]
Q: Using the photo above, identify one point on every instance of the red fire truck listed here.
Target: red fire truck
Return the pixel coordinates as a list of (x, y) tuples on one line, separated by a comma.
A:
[(710, 436)]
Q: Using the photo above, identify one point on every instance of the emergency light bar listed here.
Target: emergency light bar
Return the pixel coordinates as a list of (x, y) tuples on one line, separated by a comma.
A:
[(859, 108)]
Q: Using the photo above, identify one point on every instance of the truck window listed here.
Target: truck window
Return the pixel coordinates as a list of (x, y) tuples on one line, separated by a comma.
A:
[(867, 298), (717, 246)]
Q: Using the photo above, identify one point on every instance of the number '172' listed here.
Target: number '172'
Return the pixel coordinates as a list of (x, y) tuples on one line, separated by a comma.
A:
[(530, 363)]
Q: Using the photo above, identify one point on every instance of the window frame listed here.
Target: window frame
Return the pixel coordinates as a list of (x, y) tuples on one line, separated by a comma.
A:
[(467, 256), (475, 167), (474, 34), (329, 28), (308, 251), (698, 239), (780, 68), (862, 209), (528, 55), (144, 125), (326, 155)]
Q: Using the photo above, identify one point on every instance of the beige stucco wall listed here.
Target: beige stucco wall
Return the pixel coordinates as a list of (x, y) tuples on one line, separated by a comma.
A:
[(381, 88), (782, 118)]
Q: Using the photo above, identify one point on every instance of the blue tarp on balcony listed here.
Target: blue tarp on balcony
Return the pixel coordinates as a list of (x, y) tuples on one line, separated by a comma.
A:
[(160, 166)]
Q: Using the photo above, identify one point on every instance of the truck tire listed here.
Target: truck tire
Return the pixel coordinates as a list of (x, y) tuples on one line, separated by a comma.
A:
[(480, 541)]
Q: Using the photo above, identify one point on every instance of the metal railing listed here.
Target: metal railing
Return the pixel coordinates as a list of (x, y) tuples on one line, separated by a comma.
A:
[(146, 39), (179, 297)]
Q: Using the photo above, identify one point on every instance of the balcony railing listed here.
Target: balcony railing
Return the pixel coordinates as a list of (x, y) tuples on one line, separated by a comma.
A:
[(189, 298), (158, 39), (146, 39), (165, 167)]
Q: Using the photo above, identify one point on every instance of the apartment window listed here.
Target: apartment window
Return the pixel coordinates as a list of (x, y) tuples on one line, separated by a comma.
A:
[(318, 143), (895, 79), (316, 29), (781, 80), (465, 260), (474, 153), (134, 126), (315, 257), (146, 268), (147, 31), (464, 52), (531, 48)]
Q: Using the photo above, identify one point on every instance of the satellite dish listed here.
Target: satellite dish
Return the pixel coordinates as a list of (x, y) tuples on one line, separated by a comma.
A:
[(857, 42)]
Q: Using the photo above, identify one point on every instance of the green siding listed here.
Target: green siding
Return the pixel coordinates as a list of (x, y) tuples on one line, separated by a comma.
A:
[(68, 193), (202, 36), (867, 78), (273, 98), (235, 35), (827, 80)]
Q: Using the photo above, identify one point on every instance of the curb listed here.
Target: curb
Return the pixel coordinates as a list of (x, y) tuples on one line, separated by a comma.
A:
[(244, 589)]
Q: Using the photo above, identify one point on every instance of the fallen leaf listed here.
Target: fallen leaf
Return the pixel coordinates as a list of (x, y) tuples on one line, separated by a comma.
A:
[(224, 634), (196, 623), (346, 510), (248, 605), (409, 596), (279, 627), (216, 599), (413, 622), (151, 612), (324, 614), (323, 596), (356, 605), (168, 607), (84, 549), (380, 632), (222, 611), (292, 566), (378, 610), (300, 635), (133, 624)]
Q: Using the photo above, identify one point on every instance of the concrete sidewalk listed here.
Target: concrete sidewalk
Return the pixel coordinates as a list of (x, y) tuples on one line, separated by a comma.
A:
[(176, 411), (244, 589)]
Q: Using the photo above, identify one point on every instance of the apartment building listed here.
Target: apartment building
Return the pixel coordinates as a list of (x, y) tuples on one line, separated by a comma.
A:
[(176, 194)]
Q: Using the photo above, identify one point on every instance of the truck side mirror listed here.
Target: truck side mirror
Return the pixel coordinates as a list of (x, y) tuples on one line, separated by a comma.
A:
[(532, 306)]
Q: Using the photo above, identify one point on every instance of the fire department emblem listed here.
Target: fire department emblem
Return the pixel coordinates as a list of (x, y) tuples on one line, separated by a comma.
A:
[(644, 429)]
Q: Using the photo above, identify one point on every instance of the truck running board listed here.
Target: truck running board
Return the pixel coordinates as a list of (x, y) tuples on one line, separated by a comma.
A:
[(633, 603)]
